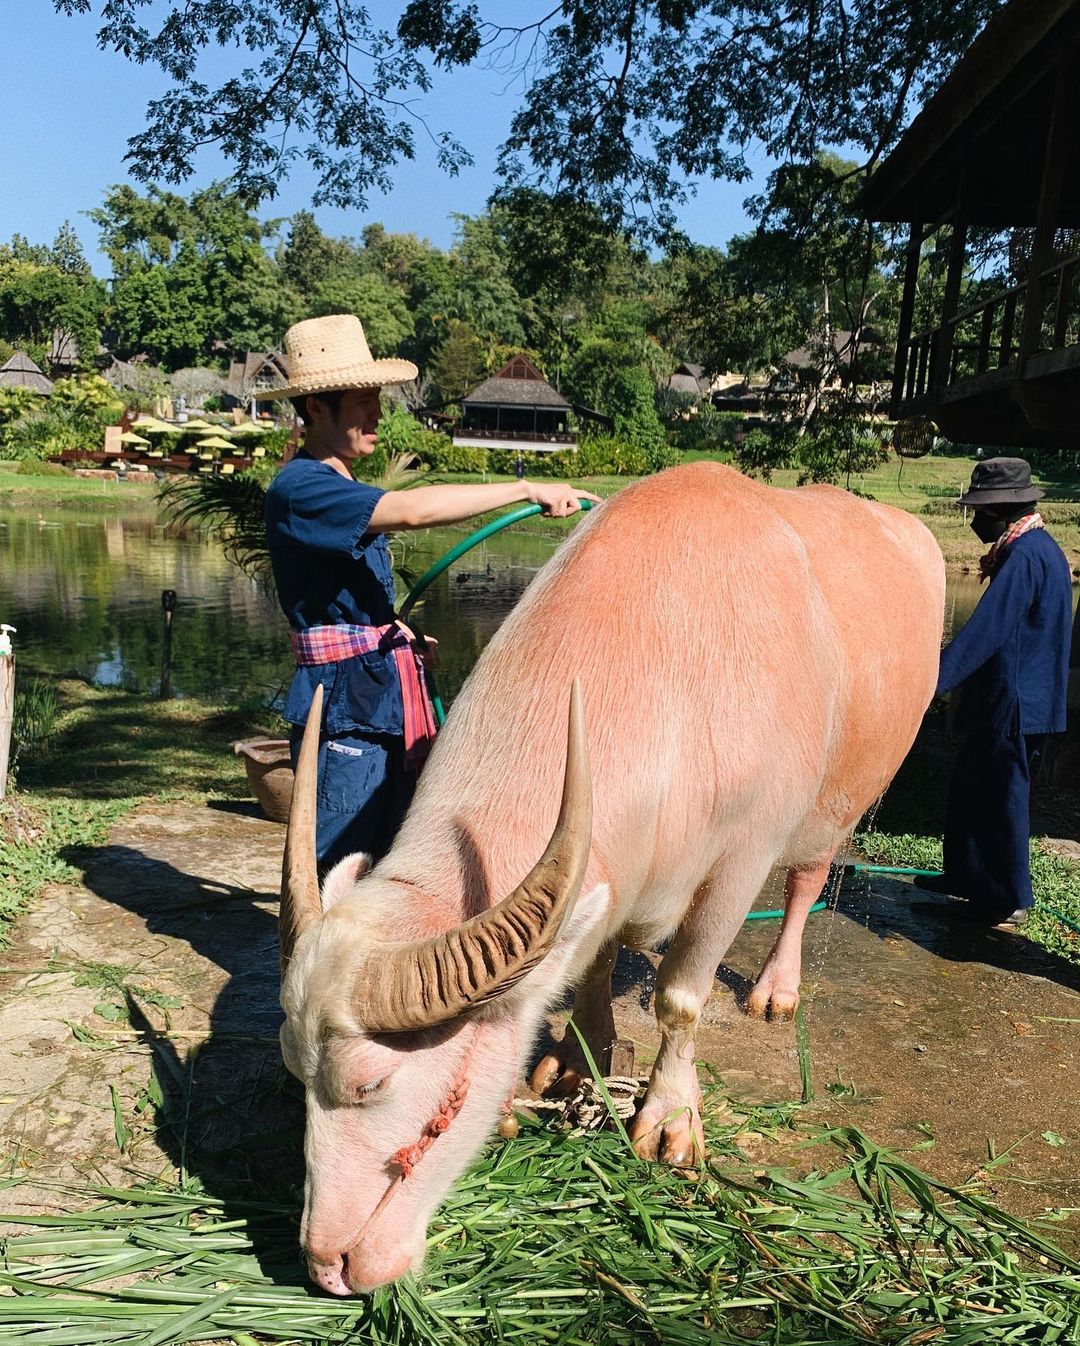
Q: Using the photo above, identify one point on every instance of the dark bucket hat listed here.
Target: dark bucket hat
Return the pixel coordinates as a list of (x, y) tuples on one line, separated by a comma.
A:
[(1001, 481)]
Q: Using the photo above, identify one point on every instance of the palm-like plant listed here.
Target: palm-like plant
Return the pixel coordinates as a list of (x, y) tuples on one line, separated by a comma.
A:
[(233, 508)]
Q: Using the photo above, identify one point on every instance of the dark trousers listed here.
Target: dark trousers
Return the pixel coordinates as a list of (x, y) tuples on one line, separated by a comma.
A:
[(988, 821), (362, 795)]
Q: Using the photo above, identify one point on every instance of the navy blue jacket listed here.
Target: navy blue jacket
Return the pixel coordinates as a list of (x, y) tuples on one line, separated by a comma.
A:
[(328, 569), (1012, 656)]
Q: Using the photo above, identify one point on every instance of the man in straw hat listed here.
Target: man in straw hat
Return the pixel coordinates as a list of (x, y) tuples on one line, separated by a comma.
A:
[(327, 535), (1010, 664)]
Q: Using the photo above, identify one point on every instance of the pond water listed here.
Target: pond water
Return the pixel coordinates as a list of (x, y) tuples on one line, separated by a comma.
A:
[(84, 589)]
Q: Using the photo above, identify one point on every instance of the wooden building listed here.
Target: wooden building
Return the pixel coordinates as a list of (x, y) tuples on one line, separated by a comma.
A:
[(516, 408), (991, 166), (257, 371), (21, 372)]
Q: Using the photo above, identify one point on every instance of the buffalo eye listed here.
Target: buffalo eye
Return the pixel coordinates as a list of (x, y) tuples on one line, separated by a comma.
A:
[(362, 1093)]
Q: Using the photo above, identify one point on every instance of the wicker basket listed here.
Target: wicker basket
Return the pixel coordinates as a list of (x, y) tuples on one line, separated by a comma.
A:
[(269, 773)]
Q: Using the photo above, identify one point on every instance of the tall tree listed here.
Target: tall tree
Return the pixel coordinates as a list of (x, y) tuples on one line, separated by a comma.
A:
[(309, 256), (37, 297), (191, 272)]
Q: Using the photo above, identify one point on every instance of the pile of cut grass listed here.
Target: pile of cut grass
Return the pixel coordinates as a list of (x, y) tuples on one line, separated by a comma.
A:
[(568, 1239)]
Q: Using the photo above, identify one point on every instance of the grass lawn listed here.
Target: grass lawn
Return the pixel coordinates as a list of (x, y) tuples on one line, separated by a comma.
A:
[(19, 489), (110, 749)]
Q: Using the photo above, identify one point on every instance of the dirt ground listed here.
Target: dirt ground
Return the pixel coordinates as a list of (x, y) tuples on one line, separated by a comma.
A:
[(141, 1010)]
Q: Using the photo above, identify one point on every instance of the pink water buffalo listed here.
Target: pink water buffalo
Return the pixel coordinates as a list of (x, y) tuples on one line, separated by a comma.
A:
[(751, 666)]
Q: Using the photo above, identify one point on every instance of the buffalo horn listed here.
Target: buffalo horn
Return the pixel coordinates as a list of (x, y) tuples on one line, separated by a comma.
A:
[(300, 905), (431, 982)]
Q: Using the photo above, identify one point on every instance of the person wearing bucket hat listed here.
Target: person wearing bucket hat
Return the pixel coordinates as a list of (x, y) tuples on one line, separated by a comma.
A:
[(331, 565), (1009, 668)]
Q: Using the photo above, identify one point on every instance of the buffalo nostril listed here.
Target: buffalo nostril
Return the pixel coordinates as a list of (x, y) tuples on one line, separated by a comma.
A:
[(330, 1276)]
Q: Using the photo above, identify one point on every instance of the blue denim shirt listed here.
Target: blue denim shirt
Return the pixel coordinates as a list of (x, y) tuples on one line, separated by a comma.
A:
[(329, 569), (1012, 656)]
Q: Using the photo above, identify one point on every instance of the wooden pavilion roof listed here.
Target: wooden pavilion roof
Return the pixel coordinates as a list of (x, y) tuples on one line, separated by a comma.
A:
[(517, 384), (977, 146), (21, 372)]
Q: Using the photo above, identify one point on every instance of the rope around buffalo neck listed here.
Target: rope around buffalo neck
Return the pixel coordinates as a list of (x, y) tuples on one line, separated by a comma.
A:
[(406, 1159)]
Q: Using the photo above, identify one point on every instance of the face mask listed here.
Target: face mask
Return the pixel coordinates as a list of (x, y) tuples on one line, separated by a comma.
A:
[(986, 527)]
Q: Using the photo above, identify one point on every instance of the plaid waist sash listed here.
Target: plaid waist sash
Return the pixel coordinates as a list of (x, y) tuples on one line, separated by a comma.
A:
[(332, 644)]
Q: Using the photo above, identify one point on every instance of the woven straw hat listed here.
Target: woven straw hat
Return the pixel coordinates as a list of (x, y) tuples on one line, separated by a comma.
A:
[(325, 355)]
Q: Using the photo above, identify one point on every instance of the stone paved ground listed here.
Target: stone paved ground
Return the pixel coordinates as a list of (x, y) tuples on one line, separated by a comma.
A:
[(922, 1032)]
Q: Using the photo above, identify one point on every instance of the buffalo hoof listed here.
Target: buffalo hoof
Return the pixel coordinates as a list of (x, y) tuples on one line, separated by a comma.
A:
[(558, 1076), (671, 1134), (769, 1000)]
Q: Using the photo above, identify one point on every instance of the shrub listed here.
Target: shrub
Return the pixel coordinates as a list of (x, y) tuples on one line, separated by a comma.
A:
[(35, 713), (400, 433), (563, 463), (595, 456), (90, 399), (710, 431), (35, 467), (443, 455), (763, 452)]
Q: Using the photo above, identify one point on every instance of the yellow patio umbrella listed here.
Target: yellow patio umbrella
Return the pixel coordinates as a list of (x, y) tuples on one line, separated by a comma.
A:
[(213, 442), (130, 437), (150, 425), (189, 426)]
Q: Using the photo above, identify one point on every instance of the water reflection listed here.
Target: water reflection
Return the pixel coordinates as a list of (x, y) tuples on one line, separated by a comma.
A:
[(84, 590)]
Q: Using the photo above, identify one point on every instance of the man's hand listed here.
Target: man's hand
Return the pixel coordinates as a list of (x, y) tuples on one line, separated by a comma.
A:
[(557, 499)]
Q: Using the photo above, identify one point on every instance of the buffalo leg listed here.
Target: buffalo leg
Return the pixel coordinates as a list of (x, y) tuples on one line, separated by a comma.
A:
[(776, 991), (560, 1072), (668, 1123)]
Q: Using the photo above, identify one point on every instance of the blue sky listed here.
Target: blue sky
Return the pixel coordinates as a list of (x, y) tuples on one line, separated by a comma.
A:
[(69, 109)]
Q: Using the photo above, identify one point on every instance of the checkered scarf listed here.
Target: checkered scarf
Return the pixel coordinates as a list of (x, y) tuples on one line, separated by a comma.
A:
[(988, 561), (332, 644)]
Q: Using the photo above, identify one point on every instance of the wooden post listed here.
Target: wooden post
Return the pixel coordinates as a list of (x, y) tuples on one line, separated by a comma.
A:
[(939, 374), (1059, 145), (907, 312), (7, 709), (168, 603)]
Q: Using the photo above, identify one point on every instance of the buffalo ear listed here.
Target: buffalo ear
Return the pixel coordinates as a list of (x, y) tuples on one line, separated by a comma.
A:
[(342, 879)]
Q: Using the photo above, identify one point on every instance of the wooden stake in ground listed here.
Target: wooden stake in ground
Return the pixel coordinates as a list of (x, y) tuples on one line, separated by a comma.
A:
[(7, 701)]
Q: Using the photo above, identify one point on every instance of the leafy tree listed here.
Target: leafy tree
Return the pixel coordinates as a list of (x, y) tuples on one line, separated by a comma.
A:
[(322, 83), (623, 105), (484, 295), (36, 298), (66, 253), (309, 257), (382, 309), (141, 314), (431, 301), (189, 273), (458, 362), (632, 403), (393, 256)]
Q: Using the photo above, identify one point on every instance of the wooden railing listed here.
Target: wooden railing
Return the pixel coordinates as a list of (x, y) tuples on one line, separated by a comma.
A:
[(987, 336), (522, 436)]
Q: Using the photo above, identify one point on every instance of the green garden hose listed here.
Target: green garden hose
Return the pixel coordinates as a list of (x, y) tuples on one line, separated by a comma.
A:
[(467, 544)]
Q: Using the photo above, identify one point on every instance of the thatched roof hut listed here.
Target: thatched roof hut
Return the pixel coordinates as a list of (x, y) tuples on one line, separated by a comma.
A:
[(518, 384), (21, 372)]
